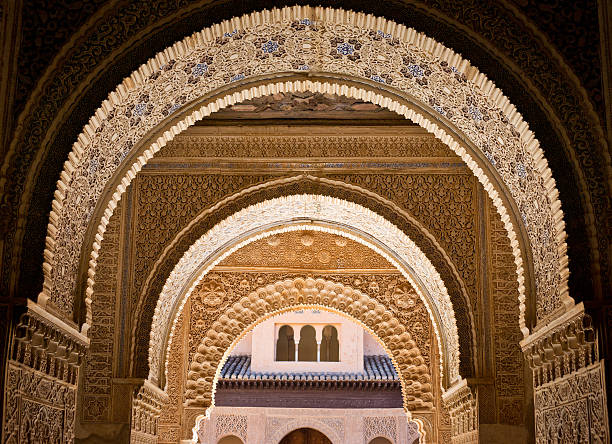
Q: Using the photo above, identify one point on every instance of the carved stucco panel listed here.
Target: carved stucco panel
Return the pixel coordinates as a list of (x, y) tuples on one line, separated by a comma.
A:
[(165, 206), (231, 425), (169, 422), (203, 255), (330, 41), (573, 408), (39, 407), (98, 365), (509, 362), (224, 328), (323, 146), (444, 203), (385, 426)]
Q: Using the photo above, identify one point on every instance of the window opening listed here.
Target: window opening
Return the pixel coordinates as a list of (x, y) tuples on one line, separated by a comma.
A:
[(307, 347), (285, 345), (330, 347)]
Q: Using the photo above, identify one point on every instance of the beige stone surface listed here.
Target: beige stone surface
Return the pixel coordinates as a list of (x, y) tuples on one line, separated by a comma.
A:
[(341, 426)]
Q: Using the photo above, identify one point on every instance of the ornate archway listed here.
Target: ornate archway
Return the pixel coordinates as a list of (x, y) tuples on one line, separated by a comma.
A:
[(549, 263), (296, 294), (302, 294), (295, 186), (290, 213), (521, 171)]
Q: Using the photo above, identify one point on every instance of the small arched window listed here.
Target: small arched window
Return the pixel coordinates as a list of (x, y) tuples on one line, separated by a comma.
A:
[(307, 348), (330, 347), (230, 440), (305, 436), (380, 440), (285, 345)]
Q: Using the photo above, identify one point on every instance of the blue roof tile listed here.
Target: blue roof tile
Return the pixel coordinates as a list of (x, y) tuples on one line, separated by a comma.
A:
[(376, 368)]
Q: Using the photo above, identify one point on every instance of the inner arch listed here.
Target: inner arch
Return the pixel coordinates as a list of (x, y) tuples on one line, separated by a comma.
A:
[(306, 212), (311, 289), (307, 286)]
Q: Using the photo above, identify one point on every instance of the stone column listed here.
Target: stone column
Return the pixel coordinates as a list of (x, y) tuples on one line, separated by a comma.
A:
[(568, 380), (42, 377), (296, 340)]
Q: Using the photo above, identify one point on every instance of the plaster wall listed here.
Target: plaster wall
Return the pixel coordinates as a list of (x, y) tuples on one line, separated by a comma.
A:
[(350, 337), (244, 347), (371, 345), (341, 426)]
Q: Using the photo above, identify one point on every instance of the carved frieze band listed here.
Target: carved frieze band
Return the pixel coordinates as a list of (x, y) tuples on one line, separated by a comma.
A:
[(47, 345), (564, 346), (462, 405)]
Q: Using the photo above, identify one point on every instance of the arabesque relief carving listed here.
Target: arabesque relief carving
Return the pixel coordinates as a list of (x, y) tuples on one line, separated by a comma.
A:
[(223, 330), (42, 376), (374, 426), (573, 408), (313, 208), (278, 427), (419, 192), (508, 361), (169, 422), (39, 408), (568, 379), (231, 424), (98, 365), (166, 205), (421, 196), (481, 112)]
